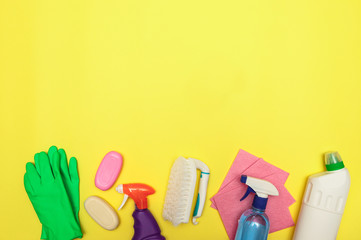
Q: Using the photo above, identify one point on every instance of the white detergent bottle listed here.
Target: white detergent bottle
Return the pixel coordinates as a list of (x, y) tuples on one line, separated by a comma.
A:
[(324, 201)]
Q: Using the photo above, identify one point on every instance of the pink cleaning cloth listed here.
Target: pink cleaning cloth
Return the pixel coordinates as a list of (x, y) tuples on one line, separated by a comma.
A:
[(260, 169), (244, 161), (227, 200)]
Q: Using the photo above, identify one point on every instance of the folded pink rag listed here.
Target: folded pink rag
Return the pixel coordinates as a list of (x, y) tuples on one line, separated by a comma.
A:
[(227, 200)]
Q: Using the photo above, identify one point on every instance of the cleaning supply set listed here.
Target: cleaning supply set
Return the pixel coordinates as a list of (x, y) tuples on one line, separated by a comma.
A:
[(324, 201), (180, 191), (52, 186)]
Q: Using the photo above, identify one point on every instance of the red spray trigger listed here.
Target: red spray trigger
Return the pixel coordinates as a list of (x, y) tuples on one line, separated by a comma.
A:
[(138, 192)]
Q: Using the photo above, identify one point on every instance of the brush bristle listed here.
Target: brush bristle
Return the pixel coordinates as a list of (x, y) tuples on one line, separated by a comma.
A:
[(180, 191)]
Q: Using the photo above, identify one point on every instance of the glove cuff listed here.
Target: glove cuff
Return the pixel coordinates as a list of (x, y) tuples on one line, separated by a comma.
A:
[(64, 232)]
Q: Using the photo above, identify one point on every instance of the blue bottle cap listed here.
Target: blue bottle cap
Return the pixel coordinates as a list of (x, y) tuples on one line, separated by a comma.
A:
[(259, 202)]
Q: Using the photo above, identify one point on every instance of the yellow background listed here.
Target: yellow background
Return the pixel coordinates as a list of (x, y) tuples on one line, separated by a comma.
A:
[(158, 79)]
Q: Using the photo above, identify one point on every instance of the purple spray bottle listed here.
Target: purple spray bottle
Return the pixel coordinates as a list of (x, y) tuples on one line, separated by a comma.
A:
[(145, 225)]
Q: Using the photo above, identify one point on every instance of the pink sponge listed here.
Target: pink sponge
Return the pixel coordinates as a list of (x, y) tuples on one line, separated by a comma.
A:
[(108, 170)]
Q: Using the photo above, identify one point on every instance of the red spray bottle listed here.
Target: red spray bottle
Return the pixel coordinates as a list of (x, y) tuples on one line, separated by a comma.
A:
[(145, 225)]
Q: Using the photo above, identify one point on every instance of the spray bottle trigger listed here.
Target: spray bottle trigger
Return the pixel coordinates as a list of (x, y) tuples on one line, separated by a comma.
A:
[(249, 190), (124, 200)]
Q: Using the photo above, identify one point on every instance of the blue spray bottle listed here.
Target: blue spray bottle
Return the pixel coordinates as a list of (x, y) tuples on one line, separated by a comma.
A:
[(254, 223)]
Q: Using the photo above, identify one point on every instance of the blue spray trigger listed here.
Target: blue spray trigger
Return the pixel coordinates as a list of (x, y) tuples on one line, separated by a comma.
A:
[(249, 190)]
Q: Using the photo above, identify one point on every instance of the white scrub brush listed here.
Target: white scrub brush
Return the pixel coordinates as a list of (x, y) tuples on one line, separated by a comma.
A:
[(181, 184)]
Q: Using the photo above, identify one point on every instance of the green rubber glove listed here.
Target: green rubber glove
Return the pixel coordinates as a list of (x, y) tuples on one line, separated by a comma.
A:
[(49, 198), (71, 181)]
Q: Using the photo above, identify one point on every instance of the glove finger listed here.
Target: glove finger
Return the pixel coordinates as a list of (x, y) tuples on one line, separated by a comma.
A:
[(73, 169), (36, 160), (51, 151), (55, 163), (45, 168), (28, 188), (32, 175), (64, 170)]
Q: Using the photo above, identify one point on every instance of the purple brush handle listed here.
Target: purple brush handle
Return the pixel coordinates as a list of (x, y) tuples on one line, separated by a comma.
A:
[(145, 226)]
